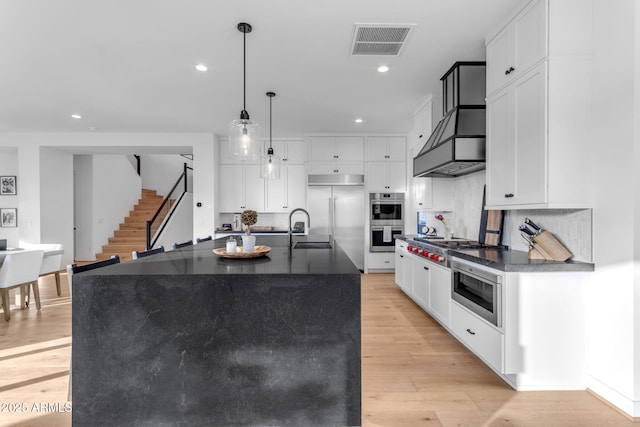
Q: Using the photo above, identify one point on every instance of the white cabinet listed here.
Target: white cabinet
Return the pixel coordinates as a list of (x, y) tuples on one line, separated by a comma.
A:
[(381, 261), (422, 125), (386, 148), (389, 177), (291, 152), (336, 148), (485, 341), (440, 293), (336, 155), (517, 153), (241, 188), (420, 280), (538, 118), (518, 46), (435, 194), (288, 192), (402, 277)]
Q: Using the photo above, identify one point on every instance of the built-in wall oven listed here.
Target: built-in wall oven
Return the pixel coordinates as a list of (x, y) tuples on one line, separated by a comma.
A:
[(386, 220), (477, 289)]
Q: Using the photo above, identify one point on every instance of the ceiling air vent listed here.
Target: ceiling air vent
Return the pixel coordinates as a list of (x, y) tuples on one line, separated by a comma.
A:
[(379, 39)]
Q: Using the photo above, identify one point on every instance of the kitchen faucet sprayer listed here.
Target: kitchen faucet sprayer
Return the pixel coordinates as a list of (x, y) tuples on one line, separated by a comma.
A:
[(291, 228)]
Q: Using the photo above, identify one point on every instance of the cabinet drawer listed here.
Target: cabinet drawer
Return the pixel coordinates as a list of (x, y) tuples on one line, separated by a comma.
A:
[(486, 342), (382, 261)]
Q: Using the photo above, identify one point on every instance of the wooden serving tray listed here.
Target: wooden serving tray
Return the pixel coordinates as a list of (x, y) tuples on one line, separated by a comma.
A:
[(239, 253)]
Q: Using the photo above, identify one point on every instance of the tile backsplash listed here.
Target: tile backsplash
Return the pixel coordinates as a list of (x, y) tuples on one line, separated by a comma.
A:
[(572, 227)]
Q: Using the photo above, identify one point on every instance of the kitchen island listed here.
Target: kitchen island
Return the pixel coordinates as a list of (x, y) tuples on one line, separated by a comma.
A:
[(189, 338)]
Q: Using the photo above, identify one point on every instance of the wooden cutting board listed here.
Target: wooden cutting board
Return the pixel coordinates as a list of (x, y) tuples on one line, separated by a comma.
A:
[(491, 222)]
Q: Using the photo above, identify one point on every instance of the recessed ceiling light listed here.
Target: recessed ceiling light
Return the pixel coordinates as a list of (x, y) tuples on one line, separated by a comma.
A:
[(358, 120), (76, 116), (383, 69), (201, 67)]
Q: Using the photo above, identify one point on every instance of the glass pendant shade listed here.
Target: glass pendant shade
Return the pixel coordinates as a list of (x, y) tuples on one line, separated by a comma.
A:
[(244, 135), (270, 165), (243, 138)]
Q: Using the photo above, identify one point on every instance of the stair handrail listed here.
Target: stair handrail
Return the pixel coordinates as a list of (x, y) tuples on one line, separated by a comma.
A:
[(166, 201)]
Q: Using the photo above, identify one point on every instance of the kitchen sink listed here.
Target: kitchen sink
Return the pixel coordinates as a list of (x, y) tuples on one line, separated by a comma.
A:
[(312, 245)]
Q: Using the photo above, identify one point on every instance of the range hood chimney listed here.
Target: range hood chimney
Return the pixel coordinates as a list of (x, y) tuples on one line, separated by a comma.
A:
[(457, 144)]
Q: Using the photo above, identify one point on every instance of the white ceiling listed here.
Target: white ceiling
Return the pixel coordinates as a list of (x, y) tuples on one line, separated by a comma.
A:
[(128, 65)]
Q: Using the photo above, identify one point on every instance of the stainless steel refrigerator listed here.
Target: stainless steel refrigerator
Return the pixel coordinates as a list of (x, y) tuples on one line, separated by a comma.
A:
[(339, 211)]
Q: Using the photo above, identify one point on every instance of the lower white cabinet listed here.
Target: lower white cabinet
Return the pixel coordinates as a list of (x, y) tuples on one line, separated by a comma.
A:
[(402, 264), (381, 261), (440, 293), (481, 338), (427, 283), (420, 279)]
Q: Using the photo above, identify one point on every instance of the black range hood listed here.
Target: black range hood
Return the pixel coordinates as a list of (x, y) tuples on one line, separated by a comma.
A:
[(457, 144)]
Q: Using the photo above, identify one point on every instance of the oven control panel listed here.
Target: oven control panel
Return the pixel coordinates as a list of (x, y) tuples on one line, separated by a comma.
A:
[(426, 253)]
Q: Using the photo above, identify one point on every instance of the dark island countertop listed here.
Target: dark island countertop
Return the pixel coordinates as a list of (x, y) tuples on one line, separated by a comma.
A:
[(189, 338), (510, 260), (200, 259)]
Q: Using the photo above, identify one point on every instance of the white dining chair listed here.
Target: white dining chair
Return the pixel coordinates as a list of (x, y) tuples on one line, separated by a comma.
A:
[(51, 264), (20, 268)]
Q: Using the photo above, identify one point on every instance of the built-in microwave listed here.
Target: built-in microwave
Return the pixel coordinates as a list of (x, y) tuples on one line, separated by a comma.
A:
[(478, 290), (386, 209)]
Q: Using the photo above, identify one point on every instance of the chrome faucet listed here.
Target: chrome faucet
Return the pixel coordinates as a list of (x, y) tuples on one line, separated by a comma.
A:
[(291, 228)]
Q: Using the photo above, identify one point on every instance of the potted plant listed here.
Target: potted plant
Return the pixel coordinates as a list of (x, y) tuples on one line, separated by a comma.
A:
[(248, 218)]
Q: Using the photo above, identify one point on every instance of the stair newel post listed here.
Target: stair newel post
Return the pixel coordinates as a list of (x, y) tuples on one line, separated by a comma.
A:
[(185, 177), (149, 234)]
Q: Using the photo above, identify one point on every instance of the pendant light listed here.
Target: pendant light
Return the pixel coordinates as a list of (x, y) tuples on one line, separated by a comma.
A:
[(244, 135), (270, 163)]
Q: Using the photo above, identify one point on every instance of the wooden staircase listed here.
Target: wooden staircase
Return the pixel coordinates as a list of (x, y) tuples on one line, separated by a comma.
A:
[(132, 234)]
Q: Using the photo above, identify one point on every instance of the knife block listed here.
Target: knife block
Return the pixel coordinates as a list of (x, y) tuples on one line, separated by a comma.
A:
[(546, 246)]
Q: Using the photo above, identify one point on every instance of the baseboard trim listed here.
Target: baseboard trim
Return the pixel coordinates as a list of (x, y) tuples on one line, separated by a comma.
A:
[(627, 407)]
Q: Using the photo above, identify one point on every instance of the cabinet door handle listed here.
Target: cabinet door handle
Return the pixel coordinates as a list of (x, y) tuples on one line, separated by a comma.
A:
[(508, 195), (470, 331), (509, 71), (386, 262), (420, 136), (420, 204), (401, 256), (426, 268)]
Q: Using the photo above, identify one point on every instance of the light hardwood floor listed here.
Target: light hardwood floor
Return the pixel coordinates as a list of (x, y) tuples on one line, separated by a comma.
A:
[(413, 372)]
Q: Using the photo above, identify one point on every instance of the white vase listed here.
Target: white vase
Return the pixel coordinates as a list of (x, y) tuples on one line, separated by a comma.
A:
[(248, 243)]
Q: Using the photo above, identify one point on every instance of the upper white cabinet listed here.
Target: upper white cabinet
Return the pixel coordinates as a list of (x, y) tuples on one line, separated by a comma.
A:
[(241, 187), (538, 119), (336, 148), (291, 152), (518, 46), (288, 192), (336, 154), (435, 194), (386, 177), (383, 148)]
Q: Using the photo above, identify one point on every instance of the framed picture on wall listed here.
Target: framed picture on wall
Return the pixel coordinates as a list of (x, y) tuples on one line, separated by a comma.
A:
[(8, 186), (8, 217)]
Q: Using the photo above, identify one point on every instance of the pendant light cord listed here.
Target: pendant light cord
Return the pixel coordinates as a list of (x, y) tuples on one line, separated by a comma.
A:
[(244, 71), (270, 122)]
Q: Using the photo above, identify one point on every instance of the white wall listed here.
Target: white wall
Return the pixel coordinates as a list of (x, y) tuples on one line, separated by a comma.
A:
[(9, 167), (83, 203), (161, 171), (613, 317), (116, 189), (180, 228), (28, 146), (56, 190)]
